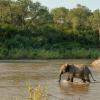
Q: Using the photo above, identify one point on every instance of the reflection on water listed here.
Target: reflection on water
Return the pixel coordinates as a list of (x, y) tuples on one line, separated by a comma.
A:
[(14, 74), (75, 87)]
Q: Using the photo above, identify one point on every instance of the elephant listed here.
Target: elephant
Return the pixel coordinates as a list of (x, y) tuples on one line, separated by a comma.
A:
[(76, 71)]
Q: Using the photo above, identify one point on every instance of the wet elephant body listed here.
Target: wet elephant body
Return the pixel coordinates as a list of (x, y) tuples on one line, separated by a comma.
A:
[(78, 71)]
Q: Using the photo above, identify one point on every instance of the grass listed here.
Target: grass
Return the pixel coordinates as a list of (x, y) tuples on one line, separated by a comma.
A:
[(67, 53), (38, 93), (61, 53)]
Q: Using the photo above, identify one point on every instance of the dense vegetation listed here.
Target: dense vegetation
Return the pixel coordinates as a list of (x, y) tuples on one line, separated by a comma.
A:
[(30, 30)]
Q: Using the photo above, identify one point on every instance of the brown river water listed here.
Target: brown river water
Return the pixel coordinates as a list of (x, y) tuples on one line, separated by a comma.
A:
[(14, 74)]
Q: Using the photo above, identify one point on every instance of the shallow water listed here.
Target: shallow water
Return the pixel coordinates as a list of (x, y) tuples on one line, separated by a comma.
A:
[(15, 74)]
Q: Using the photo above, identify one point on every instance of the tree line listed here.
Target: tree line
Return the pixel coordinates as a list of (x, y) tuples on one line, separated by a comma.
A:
[(29, 26)]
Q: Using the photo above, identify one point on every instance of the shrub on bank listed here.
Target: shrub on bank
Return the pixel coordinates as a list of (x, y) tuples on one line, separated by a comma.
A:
[(50, 54)]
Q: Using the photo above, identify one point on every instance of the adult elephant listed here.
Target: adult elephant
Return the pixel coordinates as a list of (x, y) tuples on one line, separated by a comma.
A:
[(78, 71)]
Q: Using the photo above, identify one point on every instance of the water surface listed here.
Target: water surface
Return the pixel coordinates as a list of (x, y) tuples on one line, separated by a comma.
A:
[(15, 74)]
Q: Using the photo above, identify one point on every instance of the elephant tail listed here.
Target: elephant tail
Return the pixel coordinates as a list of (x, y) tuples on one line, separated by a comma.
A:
[(92, 76), (88, 70)]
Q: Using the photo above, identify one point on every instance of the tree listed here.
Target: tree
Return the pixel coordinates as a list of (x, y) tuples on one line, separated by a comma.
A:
[(38, 15), (7, 11), (59, 15), (78, 17), (94, 21), (20, 12), (4, 10)]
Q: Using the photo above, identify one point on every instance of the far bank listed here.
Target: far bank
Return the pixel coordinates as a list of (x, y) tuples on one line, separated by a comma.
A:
[(77, 53)]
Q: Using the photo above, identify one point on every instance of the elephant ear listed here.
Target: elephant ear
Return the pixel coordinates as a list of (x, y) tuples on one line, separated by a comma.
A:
[(67, 67)]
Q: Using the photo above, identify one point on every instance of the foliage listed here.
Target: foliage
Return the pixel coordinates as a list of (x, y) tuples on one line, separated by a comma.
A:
[(30, 30)]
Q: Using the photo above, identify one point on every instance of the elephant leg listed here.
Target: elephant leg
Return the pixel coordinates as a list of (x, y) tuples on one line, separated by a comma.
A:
[(71, 77), (88, 79), (83, 79), (68, 78)]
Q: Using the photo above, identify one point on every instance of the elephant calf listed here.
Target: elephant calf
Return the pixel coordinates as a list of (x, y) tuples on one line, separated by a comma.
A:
[(77, 71)]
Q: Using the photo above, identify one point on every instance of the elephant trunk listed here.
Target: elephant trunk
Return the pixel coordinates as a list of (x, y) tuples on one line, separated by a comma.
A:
[(60, 76)]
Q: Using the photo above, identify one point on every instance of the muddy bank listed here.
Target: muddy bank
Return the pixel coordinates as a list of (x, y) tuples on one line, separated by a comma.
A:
[(96, 63)]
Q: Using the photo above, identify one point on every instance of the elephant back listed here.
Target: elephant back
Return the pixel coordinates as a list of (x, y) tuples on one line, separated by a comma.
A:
[(85, 70), (78, 68)]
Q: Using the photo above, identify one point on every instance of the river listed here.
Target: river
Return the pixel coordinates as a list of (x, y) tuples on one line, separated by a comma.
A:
[(15, 74)]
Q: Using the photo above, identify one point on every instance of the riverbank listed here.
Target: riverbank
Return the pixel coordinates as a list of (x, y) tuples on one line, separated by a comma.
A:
[(77, 53)]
